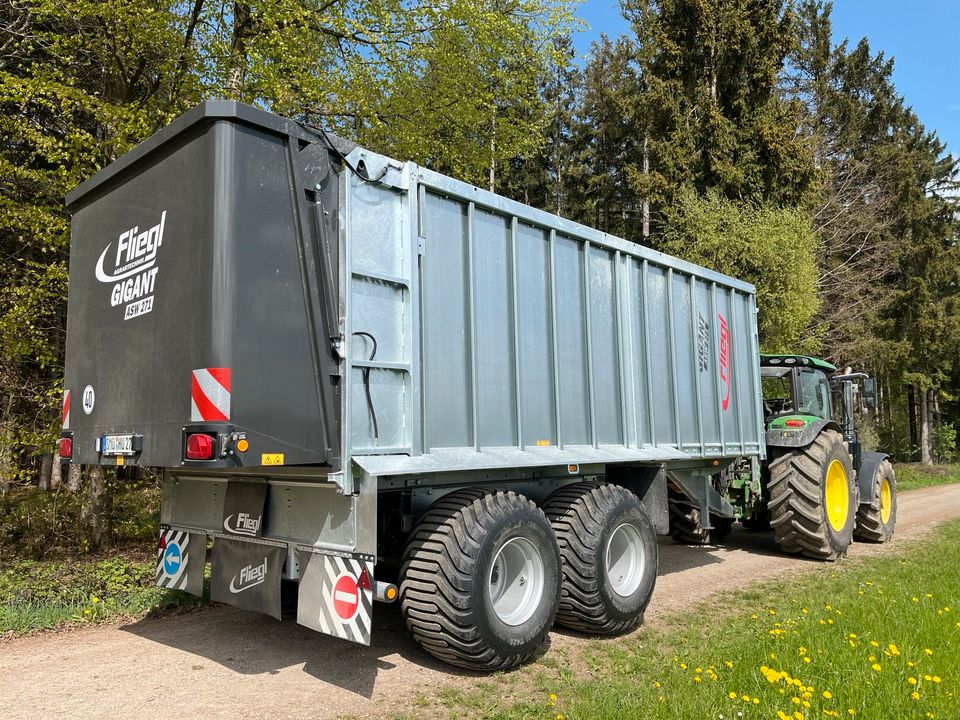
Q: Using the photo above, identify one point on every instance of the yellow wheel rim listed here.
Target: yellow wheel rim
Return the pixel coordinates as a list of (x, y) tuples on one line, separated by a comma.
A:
[(837, 496), (886, 501)]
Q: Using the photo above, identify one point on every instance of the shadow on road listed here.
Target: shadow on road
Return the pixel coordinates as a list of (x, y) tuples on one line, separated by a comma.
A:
[(254, 644)]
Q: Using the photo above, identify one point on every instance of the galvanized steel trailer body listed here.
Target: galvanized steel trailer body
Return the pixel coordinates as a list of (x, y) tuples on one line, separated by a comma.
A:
[(381, 330)]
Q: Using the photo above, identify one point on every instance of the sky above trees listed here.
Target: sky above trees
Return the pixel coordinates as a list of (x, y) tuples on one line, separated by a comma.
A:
[(920, 35)]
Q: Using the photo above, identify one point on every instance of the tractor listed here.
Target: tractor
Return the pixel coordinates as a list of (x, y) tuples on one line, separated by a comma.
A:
[(818, 490)]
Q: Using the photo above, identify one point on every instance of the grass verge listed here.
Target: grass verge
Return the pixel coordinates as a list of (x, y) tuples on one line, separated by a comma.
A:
[(911, 476), (46, 594), (874, 638)]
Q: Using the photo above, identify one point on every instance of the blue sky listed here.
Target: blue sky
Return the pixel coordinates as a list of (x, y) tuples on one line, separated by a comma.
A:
[(921, 35)]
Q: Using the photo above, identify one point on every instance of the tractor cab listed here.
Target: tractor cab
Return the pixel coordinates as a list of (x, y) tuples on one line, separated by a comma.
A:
[(796, 390)]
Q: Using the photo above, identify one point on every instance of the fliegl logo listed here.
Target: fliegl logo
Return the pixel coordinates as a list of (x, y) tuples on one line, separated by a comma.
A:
[(725, 360), (248, 577), (133, 272), (245, 524)]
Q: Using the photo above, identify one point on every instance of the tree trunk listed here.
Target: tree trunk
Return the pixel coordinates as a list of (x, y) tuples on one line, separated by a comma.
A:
[(74, 477), (912, 415), (926, 445), (98, 504), (56, 473), (7, 470), (242, 28), (493, 152), (46, 470), (646, 202)]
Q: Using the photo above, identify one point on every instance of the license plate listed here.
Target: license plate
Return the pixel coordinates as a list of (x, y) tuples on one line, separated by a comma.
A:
[(117, 445)]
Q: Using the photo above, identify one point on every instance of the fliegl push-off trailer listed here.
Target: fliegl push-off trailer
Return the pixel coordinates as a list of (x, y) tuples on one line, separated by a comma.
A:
[(365, 381)]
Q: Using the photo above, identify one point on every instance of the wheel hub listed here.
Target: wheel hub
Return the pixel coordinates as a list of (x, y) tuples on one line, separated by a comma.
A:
[(625, 560), (886, 501), (837, 496), (516, 582)]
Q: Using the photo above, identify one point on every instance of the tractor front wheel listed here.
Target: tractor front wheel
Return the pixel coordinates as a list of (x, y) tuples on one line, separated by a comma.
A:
[(685, 525), (877, 519), (813, 498)]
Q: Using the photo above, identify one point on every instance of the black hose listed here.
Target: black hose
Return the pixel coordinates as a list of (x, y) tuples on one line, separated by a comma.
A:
[(366, 383)]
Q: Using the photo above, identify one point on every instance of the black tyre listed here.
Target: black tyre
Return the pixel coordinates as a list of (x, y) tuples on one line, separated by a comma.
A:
[(813, 498), (480, 579), (685, 526), (877, 519), (609, 551)]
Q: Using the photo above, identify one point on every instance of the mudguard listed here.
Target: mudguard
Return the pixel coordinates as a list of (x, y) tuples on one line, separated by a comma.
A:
[(801, 437), (868, 470)]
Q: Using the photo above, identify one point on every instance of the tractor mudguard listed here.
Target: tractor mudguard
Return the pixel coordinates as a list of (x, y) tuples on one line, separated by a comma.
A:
[(801, 437), (865, 475)]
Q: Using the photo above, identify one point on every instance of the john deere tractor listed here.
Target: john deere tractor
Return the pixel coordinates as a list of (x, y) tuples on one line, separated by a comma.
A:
[(818, 489)]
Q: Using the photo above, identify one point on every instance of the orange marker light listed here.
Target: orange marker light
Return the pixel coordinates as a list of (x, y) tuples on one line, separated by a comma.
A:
[(243, 445)]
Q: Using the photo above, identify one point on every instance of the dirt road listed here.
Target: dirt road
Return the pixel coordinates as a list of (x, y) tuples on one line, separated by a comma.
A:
[(225, 663)]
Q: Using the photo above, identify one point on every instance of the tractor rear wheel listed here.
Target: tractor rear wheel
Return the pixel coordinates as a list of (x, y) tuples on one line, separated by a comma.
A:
[(813, 498), (480, 579), (609, 550), (876, 520), (685, 525)]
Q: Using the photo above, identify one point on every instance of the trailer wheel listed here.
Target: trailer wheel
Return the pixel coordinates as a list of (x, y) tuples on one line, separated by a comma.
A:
[(877, 519), (685, 527), (480, 579), (813, 498), (609, 551)]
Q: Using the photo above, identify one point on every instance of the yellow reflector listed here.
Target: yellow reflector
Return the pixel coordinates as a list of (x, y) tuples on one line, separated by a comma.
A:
[(543, 443), (573, 469), (391, 593), (243, 445)]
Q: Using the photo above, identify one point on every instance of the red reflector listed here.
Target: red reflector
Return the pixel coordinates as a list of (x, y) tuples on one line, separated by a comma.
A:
[(795, 423), (363, 582), (199, 447), (65, 448)]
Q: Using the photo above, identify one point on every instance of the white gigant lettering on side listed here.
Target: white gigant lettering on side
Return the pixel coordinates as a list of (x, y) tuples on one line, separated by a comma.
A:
[(134, 272)]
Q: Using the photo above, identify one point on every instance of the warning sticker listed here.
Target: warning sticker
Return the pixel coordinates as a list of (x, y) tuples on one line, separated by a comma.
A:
[(336, 595)]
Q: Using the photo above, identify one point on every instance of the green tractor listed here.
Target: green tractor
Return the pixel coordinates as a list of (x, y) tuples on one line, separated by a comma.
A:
[(818, 489)]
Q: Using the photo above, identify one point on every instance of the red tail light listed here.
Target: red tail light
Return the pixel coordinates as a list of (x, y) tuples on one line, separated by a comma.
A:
[(65, 448), (199, 447), (795, 423)]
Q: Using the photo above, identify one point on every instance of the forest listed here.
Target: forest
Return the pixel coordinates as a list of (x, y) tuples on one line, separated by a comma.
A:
[(733, 133)]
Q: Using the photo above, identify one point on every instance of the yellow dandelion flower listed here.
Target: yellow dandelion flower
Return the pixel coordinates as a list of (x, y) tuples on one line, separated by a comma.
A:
[(698, 670), (803, 610), (928, 678), (728, 663), (559, 716), (656, 684), (852, 635), (928, 595), (94, 599), (827, 694), (806, 703), (928, 651), (936, 678), (915, 599), (696, 678), (877, 667), (781, 715), (912, 680), (732, 695), (806, 659), (874, 643), (795, 700), (756, 701), (909, 663), (807, 695), (851, 712), (894, 650), (872, 658), (915, 695), (683, 666), (798, 715), (745, 698)]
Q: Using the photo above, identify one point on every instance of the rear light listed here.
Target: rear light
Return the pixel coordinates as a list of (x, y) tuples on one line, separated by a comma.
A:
[(796, 423), (65, 448), (199, 447)]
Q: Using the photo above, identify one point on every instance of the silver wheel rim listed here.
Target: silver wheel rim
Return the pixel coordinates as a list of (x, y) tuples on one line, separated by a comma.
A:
[(625, 560), (515, 584)]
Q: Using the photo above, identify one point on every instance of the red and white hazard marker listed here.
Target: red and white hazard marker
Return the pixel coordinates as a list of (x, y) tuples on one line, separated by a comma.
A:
[(346, 597), (65, 414), (210, 395)]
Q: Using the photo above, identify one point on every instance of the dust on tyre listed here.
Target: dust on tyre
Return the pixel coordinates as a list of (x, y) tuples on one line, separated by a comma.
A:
[(813, 498), (877, 518), (480, 579), (609, 550), (685, 525)]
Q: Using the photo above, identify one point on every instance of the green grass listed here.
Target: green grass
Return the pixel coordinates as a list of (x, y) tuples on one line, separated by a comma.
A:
[(46, 594), (841, 641), (915, 475)]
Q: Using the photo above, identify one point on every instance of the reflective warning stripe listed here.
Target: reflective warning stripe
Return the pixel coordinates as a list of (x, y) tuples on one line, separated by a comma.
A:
[(65, 414), (210, 395), (178, 580)]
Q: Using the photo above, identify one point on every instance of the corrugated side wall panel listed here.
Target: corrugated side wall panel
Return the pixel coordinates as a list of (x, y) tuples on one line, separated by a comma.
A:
[(535, 332)]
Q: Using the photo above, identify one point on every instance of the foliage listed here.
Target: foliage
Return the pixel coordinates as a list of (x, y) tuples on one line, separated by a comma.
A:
[(878, 638), (945, 443), (39, 595), (36, 524), (917, 475), (770, 247)]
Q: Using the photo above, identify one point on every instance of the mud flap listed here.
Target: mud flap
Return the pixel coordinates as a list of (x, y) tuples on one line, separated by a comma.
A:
[(181, 560), (336, 594), (246, 574), (243, 507)]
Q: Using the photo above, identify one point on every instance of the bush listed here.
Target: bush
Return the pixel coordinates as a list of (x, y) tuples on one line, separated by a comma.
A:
[(944, 439)]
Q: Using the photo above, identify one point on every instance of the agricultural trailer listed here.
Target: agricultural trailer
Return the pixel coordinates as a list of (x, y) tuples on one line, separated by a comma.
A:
[(362, 380)]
